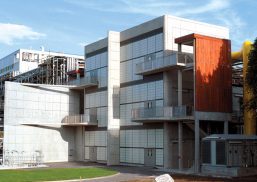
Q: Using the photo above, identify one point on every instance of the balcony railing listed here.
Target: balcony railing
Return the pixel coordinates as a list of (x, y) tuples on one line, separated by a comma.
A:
[(162, 113), (159, 64), (80, 119), (86, 81)]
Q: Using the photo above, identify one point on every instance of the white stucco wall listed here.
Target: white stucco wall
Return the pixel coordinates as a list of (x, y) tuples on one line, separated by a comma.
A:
[(46, 105)]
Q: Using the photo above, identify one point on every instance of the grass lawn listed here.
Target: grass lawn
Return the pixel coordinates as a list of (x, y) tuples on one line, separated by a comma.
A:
[(16, 175)]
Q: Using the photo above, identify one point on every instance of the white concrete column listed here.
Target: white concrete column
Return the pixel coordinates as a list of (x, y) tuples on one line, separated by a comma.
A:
[(113, 127), (225, 127), (179, 87), (180, 145), (197, 147)]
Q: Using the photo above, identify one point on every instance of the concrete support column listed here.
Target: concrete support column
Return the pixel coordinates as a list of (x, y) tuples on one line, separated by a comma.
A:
[(225, 127), (180, 145), (179, 47), (179, 87), (197, 147)]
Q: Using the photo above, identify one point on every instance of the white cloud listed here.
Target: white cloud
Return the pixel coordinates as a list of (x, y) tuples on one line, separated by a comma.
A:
[(153, 7), (9, 33)]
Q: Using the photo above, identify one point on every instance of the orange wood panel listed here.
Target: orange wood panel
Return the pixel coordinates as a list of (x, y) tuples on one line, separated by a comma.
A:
[(213, 83)]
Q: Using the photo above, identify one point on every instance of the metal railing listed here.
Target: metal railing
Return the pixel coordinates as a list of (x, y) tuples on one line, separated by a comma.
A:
[(162, 62), (162, 112), (80, 119), (87, 80), (16, 158)]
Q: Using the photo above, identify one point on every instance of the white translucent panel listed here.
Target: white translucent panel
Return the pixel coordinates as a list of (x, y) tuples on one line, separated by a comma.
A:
[(129, 138), (103, 98), (122, 138), (128, 114), (142, 138), (122, 155), (87, 153), (103, 138), (129, 51), (93, 61), (122, 53), (136, 94), (122, 72), (123, 95), (101, 153), (159, 138), (135, 49), (129, 94), (159, 157), (86, 138), (159, 103), (97, 99), (91, 138), (97, 138), (130, 70), (151, 138), (105, 59), (135, 134), (159, 89), (122, 115), (141, 156), (99, 116), (159, 54), (98, 61), (125, 72), (143, 47), (151, 91), (134, 71), (129, 155), (125, 52), (143, 91), (87, 111), (139, 138), (87, 64), (150, 44), (104, 116), (159, 42), (135, 156), (100, 138)]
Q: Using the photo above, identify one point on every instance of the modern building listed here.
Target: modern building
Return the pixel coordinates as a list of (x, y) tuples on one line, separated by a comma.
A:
[(148, 96)]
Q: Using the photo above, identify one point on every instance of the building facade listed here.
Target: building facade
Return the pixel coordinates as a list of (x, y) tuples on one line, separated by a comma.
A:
[(149, 95)]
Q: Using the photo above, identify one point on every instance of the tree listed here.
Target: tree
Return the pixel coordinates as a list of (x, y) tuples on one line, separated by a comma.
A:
[(251, 77)]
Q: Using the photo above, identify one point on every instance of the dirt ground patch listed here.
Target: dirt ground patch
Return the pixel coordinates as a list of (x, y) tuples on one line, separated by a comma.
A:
[(190, 178)]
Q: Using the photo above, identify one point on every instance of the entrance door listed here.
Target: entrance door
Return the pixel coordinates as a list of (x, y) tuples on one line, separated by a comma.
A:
[(150, 157), (92, 154)]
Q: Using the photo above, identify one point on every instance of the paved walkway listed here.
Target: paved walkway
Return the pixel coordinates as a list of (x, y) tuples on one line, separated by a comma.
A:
[(125, 172)]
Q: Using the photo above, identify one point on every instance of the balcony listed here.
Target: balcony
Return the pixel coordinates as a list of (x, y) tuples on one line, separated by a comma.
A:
[(84, 82), (79, 120), (162, 113), (151, 66)]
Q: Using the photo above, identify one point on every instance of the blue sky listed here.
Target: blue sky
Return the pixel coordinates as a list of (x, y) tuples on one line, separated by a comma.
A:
[(67, 25)]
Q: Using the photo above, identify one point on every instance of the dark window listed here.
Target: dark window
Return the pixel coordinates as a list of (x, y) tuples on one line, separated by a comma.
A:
[(220, 153), (206, 152)]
